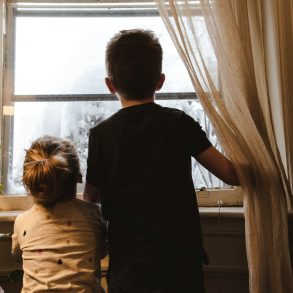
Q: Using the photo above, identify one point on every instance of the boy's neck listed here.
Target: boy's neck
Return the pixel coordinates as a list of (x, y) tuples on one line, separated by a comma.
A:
[(128, 103)]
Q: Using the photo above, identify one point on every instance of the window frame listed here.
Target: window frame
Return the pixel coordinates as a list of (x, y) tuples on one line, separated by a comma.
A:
[(146, 9), (90, 8)]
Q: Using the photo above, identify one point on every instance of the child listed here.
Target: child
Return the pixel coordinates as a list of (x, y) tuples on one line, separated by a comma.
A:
[(139, 167), (60, 237)]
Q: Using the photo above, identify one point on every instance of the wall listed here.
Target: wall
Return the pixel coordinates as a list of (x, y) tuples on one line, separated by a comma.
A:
[(224, 240)]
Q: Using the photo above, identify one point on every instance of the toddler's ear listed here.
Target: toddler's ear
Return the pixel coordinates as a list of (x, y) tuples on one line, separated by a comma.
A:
[(110, 86)]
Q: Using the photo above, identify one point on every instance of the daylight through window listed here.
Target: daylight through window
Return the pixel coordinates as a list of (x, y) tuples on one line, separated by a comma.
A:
[(54, 78)]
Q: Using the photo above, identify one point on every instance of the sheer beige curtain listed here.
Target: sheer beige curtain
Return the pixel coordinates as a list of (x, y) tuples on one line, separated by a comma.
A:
[(279, 19), (238, 105)]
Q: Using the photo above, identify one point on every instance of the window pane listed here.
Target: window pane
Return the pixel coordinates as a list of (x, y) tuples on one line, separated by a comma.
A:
[(56, 55), (73, 120), (65, 55)]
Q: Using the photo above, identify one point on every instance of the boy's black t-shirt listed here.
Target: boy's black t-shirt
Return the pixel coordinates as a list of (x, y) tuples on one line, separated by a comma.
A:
[(140, 158)]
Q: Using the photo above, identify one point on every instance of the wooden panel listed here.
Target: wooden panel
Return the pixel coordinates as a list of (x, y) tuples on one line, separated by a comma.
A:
[(224, 241)]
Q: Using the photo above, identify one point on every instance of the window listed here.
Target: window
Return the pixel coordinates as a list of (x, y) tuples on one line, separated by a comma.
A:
[(54, 77)]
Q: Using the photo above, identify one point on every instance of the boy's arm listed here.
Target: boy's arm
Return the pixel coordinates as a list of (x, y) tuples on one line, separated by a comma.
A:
[(92, 193), (15, 247), (219, 165)]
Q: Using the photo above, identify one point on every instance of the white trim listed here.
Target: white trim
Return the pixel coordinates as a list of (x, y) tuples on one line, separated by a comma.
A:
[(92, 3), (195, 2), (84, 5), (208, 212), (78, 2), (10, 204)]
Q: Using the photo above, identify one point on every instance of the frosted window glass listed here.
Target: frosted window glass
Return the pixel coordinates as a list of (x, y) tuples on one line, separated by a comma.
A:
[(73, 120), (65, 55)]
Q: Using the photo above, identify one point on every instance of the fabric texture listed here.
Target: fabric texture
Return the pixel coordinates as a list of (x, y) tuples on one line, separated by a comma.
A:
[(140, 158), (279, 43), (233, 91), (61, 247)]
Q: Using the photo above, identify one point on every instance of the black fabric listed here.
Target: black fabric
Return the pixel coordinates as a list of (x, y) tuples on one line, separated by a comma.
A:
[(150, 267), (140, 158)]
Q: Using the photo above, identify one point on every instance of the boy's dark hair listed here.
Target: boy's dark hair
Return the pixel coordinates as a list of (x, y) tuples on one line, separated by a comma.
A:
[(134, 63)]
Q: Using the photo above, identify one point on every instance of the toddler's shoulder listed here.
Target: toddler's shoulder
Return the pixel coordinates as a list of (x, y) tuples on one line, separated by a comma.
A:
[(25, 215)]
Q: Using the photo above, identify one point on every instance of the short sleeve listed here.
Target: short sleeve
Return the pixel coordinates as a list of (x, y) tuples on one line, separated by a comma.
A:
[(92, 173), (195, 138)]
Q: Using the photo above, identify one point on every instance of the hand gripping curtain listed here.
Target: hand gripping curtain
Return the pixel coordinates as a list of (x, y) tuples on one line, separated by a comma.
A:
[(237, 103)]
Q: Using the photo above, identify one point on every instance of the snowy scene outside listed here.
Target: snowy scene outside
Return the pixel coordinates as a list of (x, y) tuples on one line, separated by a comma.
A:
[(65, 56)]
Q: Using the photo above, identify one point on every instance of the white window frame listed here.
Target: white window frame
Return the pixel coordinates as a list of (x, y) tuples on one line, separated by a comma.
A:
[(217, 197)]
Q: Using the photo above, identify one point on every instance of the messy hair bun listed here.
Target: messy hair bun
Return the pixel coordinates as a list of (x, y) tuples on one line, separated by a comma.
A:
[(51, 170)]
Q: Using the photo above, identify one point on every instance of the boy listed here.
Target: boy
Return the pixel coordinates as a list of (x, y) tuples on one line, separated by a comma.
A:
[(139, 166)]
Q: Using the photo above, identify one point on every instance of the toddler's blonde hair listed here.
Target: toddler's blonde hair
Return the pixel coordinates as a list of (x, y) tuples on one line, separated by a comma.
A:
[(51, 170)]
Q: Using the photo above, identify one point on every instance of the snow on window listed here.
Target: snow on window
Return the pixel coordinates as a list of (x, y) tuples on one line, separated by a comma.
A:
[(73, 120)]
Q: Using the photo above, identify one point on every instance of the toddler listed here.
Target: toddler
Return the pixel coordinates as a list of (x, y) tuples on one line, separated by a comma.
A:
[(61, 238)]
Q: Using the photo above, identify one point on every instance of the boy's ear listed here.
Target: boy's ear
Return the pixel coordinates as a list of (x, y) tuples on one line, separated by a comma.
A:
[(160, 82), (110, 85)]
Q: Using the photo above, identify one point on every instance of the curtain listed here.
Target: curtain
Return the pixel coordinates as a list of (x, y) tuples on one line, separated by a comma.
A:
[(283, 20), (237, 102)]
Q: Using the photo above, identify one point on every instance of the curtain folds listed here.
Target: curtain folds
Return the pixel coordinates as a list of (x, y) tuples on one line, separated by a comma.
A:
[(284, 23), (238, 105)]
